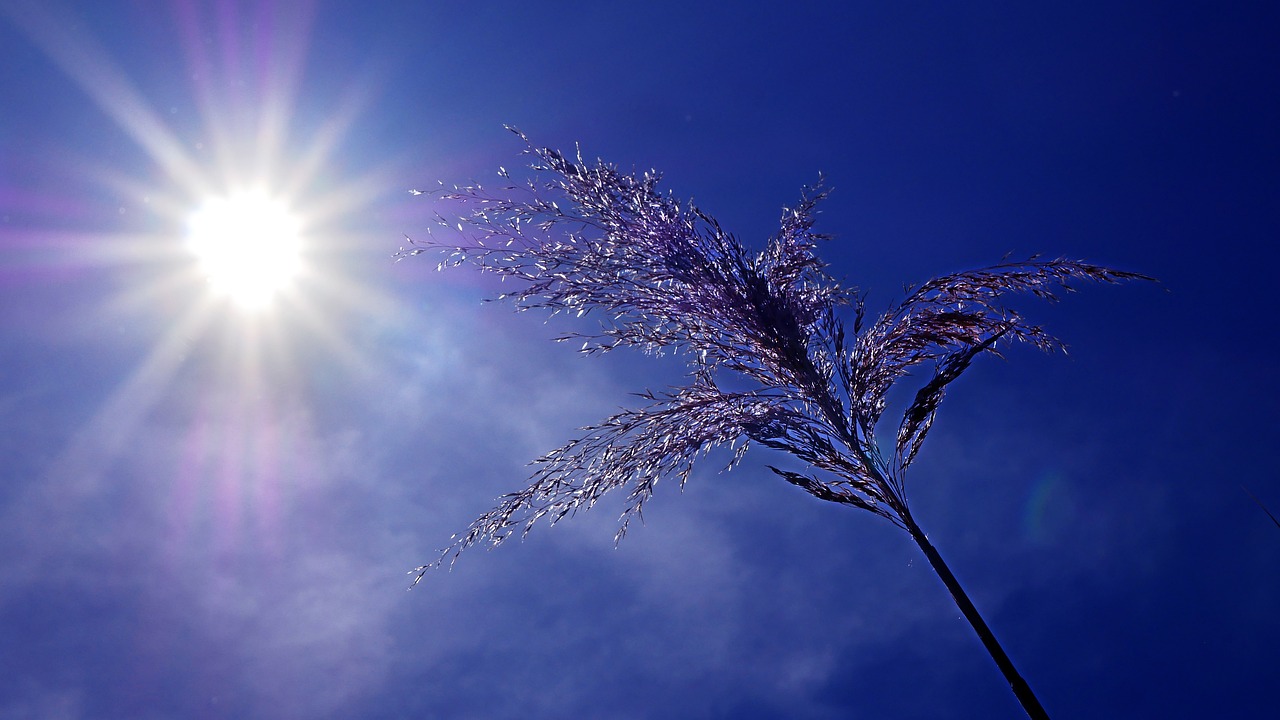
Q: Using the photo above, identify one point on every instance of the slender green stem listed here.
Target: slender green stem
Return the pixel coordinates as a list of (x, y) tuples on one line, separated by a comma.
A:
[(1020, 687)]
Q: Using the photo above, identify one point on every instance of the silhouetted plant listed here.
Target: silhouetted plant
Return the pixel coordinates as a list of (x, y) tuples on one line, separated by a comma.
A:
[(664, 276), (1274, 519)]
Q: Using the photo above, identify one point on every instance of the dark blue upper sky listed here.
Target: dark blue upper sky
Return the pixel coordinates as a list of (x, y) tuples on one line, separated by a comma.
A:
[(210, 513)]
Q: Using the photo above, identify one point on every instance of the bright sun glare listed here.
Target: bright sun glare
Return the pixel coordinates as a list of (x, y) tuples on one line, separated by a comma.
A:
[(248, 209), (247, 244)]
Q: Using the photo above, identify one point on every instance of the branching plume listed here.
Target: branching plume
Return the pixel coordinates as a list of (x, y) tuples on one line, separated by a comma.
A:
[(660, 275)]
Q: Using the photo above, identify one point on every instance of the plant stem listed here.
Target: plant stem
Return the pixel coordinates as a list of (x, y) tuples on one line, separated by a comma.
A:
[(1020, 687)]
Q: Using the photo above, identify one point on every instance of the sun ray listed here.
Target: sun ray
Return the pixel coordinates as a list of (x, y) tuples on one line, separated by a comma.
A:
[(335, 128), (83, 59), (101, 440)]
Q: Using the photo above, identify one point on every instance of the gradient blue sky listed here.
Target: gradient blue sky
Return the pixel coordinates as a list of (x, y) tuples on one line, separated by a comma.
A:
[(205, 514)]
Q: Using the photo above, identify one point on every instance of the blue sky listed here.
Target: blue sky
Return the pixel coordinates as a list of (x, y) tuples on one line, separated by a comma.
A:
[(208, 512)]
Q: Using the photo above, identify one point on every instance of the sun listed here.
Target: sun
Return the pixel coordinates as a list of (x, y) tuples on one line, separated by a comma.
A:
[(248, 245)]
